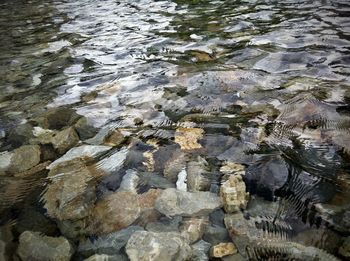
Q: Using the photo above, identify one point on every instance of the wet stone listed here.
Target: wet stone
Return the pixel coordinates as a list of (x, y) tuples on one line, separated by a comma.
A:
[(173, 202), (65, 140), (34, 246), (152, 246), (109, 244), (223, 249), (233, 193)]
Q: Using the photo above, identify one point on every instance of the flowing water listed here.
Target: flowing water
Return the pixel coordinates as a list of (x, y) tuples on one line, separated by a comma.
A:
[(264, 84)]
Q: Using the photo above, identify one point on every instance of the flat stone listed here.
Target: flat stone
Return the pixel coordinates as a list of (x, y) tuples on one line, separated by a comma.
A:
[(167, 246), (65, 140), (173, 202), (109, 244), (223, 249), (34, 246), (84, 151)]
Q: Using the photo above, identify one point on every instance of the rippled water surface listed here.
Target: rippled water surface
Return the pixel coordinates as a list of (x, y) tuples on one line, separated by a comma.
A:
[(183, 94)]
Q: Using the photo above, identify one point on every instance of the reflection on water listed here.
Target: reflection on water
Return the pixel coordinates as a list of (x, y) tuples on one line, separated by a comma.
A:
[(106, 106)]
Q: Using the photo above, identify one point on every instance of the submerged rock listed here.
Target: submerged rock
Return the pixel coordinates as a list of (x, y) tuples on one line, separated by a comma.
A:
[(233, 194), (84, 151), (200, 251), (223, 249), (188, 138), (125, 207), (173, 202), (166, 246), (19, 160), (34, 246), (71, 193), (107, 258), (109, 244), (65, 140), (193, 228)]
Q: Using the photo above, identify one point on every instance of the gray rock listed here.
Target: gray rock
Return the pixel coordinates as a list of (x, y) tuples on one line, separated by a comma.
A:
[(84, 151), (33, 246), (193, 228), (130, 182), (173, 202), (168, 246), (215, 235), (235, 257), (109, 244), (108, 135), (84, 129), (65, 140), (196, 179), (200, 251), (107, 258)]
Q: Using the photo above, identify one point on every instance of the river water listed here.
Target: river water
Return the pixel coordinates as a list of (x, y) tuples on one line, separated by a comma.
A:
[(263, 84)]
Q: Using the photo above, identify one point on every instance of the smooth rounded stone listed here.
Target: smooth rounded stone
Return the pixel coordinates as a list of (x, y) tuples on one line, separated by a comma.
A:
[(65, 140), (150, 246), (165, 224), (196, 179), (109, 244), (344, 250), (34, 246), (22, 159), (84, 151), (233, 194), (193, 228), (85, 129), (57, 118), (173, 202), (215, 235), (266, 176), (71, 192), (125, 207), (103, 257), (200, 251), (223, 249)]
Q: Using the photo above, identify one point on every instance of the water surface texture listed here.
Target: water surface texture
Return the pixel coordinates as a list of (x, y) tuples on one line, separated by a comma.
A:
[(157, 130)]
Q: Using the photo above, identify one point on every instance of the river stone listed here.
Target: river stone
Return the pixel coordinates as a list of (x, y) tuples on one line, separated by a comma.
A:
[(84, 151), (223, 249), (71, 193), (109, 244), (150, 246), (200, 251), (65, 140), (34, 246), (173, 202), (193, 228), (125, 207), (107, 258), (24, 158), (85, 129)]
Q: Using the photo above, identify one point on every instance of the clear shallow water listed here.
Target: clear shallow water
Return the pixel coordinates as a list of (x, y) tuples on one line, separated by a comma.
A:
[(266, 81)]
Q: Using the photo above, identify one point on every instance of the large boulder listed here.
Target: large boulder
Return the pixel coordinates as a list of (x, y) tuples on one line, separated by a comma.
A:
[(173, 202), (150, 246), (34, 246)]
